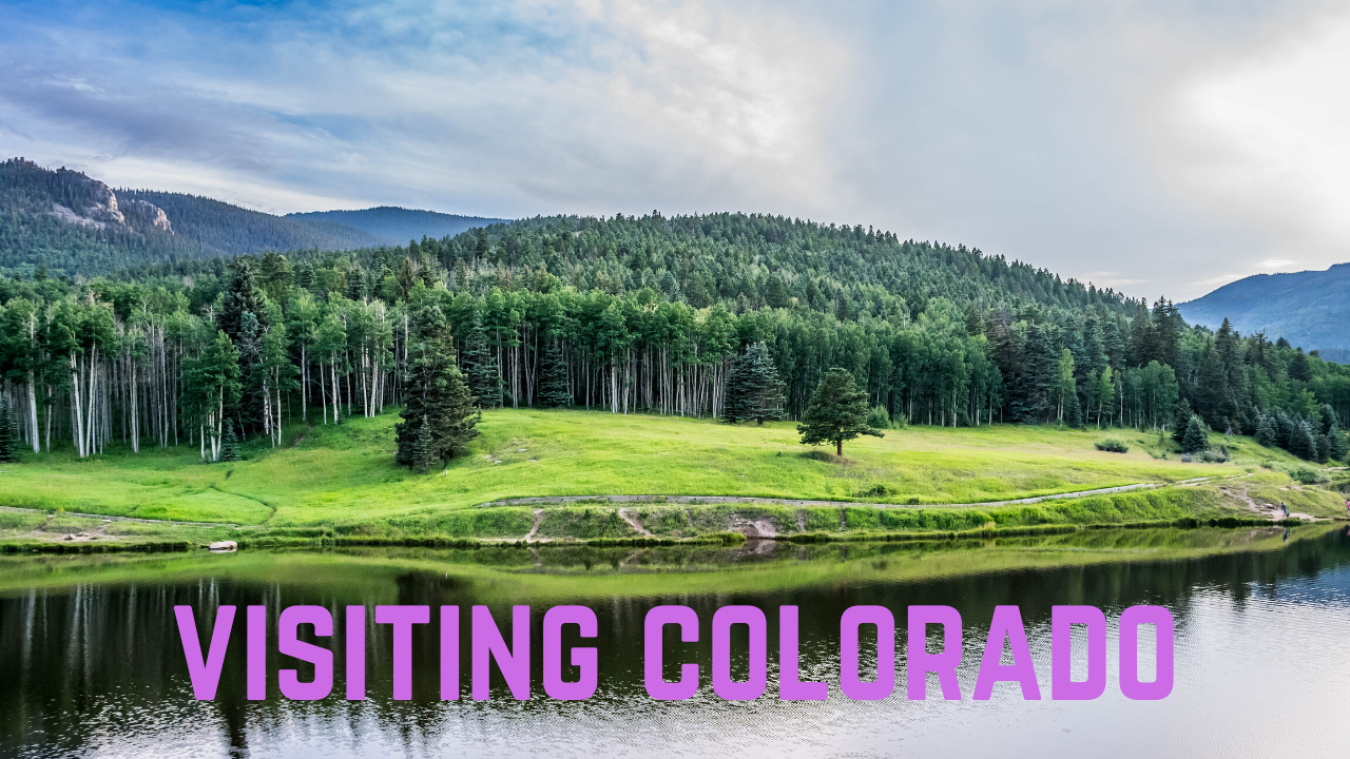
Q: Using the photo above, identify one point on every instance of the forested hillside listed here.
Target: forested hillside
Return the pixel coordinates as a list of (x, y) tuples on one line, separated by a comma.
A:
[(222, 229), (396, 226), (631, 314), (1308, 308), (69, 223)]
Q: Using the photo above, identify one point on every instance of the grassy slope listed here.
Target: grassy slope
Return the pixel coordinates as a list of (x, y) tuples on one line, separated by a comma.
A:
[(345, 475)]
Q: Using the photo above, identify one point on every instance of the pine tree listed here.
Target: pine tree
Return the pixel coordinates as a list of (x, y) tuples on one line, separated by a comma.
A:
[(480, 366), (229, 444), (1336, 447), (424, 457), (11, 447), (243, 295), (1181, 420), (754, 390), (1284, 430), (553, 391), (436, 395), (1265, 431), (734, 400), (458, 422), (1073, 412), (1302, 443), (1196, 438), (837, 412), (1323, 447)]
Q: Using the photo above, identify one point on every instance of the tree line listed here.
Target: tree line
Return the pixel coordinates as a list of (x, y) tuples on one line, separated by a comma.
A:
[(191, 353)]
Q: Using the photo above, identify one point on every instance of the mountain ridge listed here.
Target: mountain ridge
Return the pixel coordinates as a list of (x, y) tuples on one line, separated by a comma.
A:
[(1308, 308), (67, 221), (397, 225)]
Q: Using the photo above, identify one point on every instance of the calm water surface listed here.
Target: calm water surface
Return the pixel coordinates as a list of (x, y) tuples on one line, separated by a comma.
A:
[(91, 664)]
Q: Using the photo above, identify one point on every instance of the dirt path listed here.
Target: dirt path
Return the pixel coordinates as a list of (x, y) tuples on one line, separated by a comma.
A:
[(1271, 510), (717, 499), (538, 520), (632, 522)]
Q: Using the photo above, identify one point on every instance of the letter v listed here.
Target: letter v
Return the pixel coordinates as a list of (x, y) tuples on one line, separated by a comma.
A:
[(205, 676)]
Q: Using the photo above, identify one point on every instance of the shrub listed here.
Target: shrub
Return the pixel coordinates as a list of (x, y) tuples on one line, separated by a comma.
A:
[(879, 418), (1112, 445), (1213, 457), (1306, 476)]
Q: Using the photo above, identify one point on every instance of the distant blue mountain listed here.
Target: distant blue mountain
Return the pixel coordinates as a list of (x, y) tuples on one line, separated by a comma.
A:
[(1310, 309), (397, 225)]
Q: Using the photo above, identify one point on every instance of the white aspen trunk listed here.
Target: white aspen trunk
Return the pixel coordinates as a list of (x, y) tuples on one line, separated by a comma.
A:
[(135, 415), (33, 418), (337, 400), (77, 415), (304, 386), (267, 411), (278, 387), (219, 431)]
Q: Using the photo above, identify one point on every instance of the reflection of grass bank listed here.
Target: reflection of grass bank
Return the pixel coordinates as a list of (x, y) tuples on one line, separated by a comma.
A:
[(507, 573)]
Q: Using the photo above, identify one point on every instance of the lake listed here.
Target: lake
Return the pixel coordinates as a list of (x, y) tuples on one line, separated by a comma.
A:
[(92, 665)]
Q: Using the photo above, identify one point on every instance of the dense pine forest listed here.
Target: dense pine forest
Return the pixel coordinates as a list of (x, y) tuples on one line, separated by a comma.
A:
[(628, 314)]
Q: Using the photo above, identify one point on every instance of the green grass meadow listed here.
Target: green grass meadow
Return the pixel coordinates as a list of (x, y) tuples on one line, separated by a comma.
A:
[(331, 476)]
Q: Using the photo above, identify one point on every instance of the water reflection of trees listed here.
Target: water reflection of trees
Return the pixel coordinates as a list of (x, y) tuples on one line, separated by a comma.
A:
[(65, 654)]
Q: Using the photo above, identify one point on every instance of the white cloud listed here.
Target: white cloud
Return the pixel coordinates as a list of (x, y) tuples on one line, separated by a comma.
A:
[(1278, 263), (1268, 138), (1149, 145)]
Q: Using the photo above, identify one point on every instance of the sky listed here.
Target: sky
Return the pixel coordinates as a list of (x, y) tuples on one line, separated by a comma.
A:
[(1158, 147)]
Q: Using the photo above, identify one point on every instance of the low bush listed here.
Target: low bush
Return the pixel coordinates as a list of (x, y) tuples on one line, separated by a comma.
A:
[(879, 417), (1306, 476), (1212, 456), (1112, 445)]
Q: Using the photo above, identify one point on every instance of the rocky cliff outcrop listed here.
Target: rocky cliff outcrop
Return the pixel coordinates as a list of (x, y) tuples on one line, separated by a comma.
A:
[(89, 203), (147, 213)]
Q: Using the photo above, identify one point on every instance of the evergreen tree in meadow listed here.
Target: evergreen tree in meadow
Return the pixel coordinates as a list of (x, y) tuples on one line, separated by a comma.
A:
[(1073, 412), (229, 444), (1181, 420), (480, 366), (11, 448), (837, 412), (424, 458), (1196, 439), (457, 425), (553, 391), (436, 396), (754, 390)]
